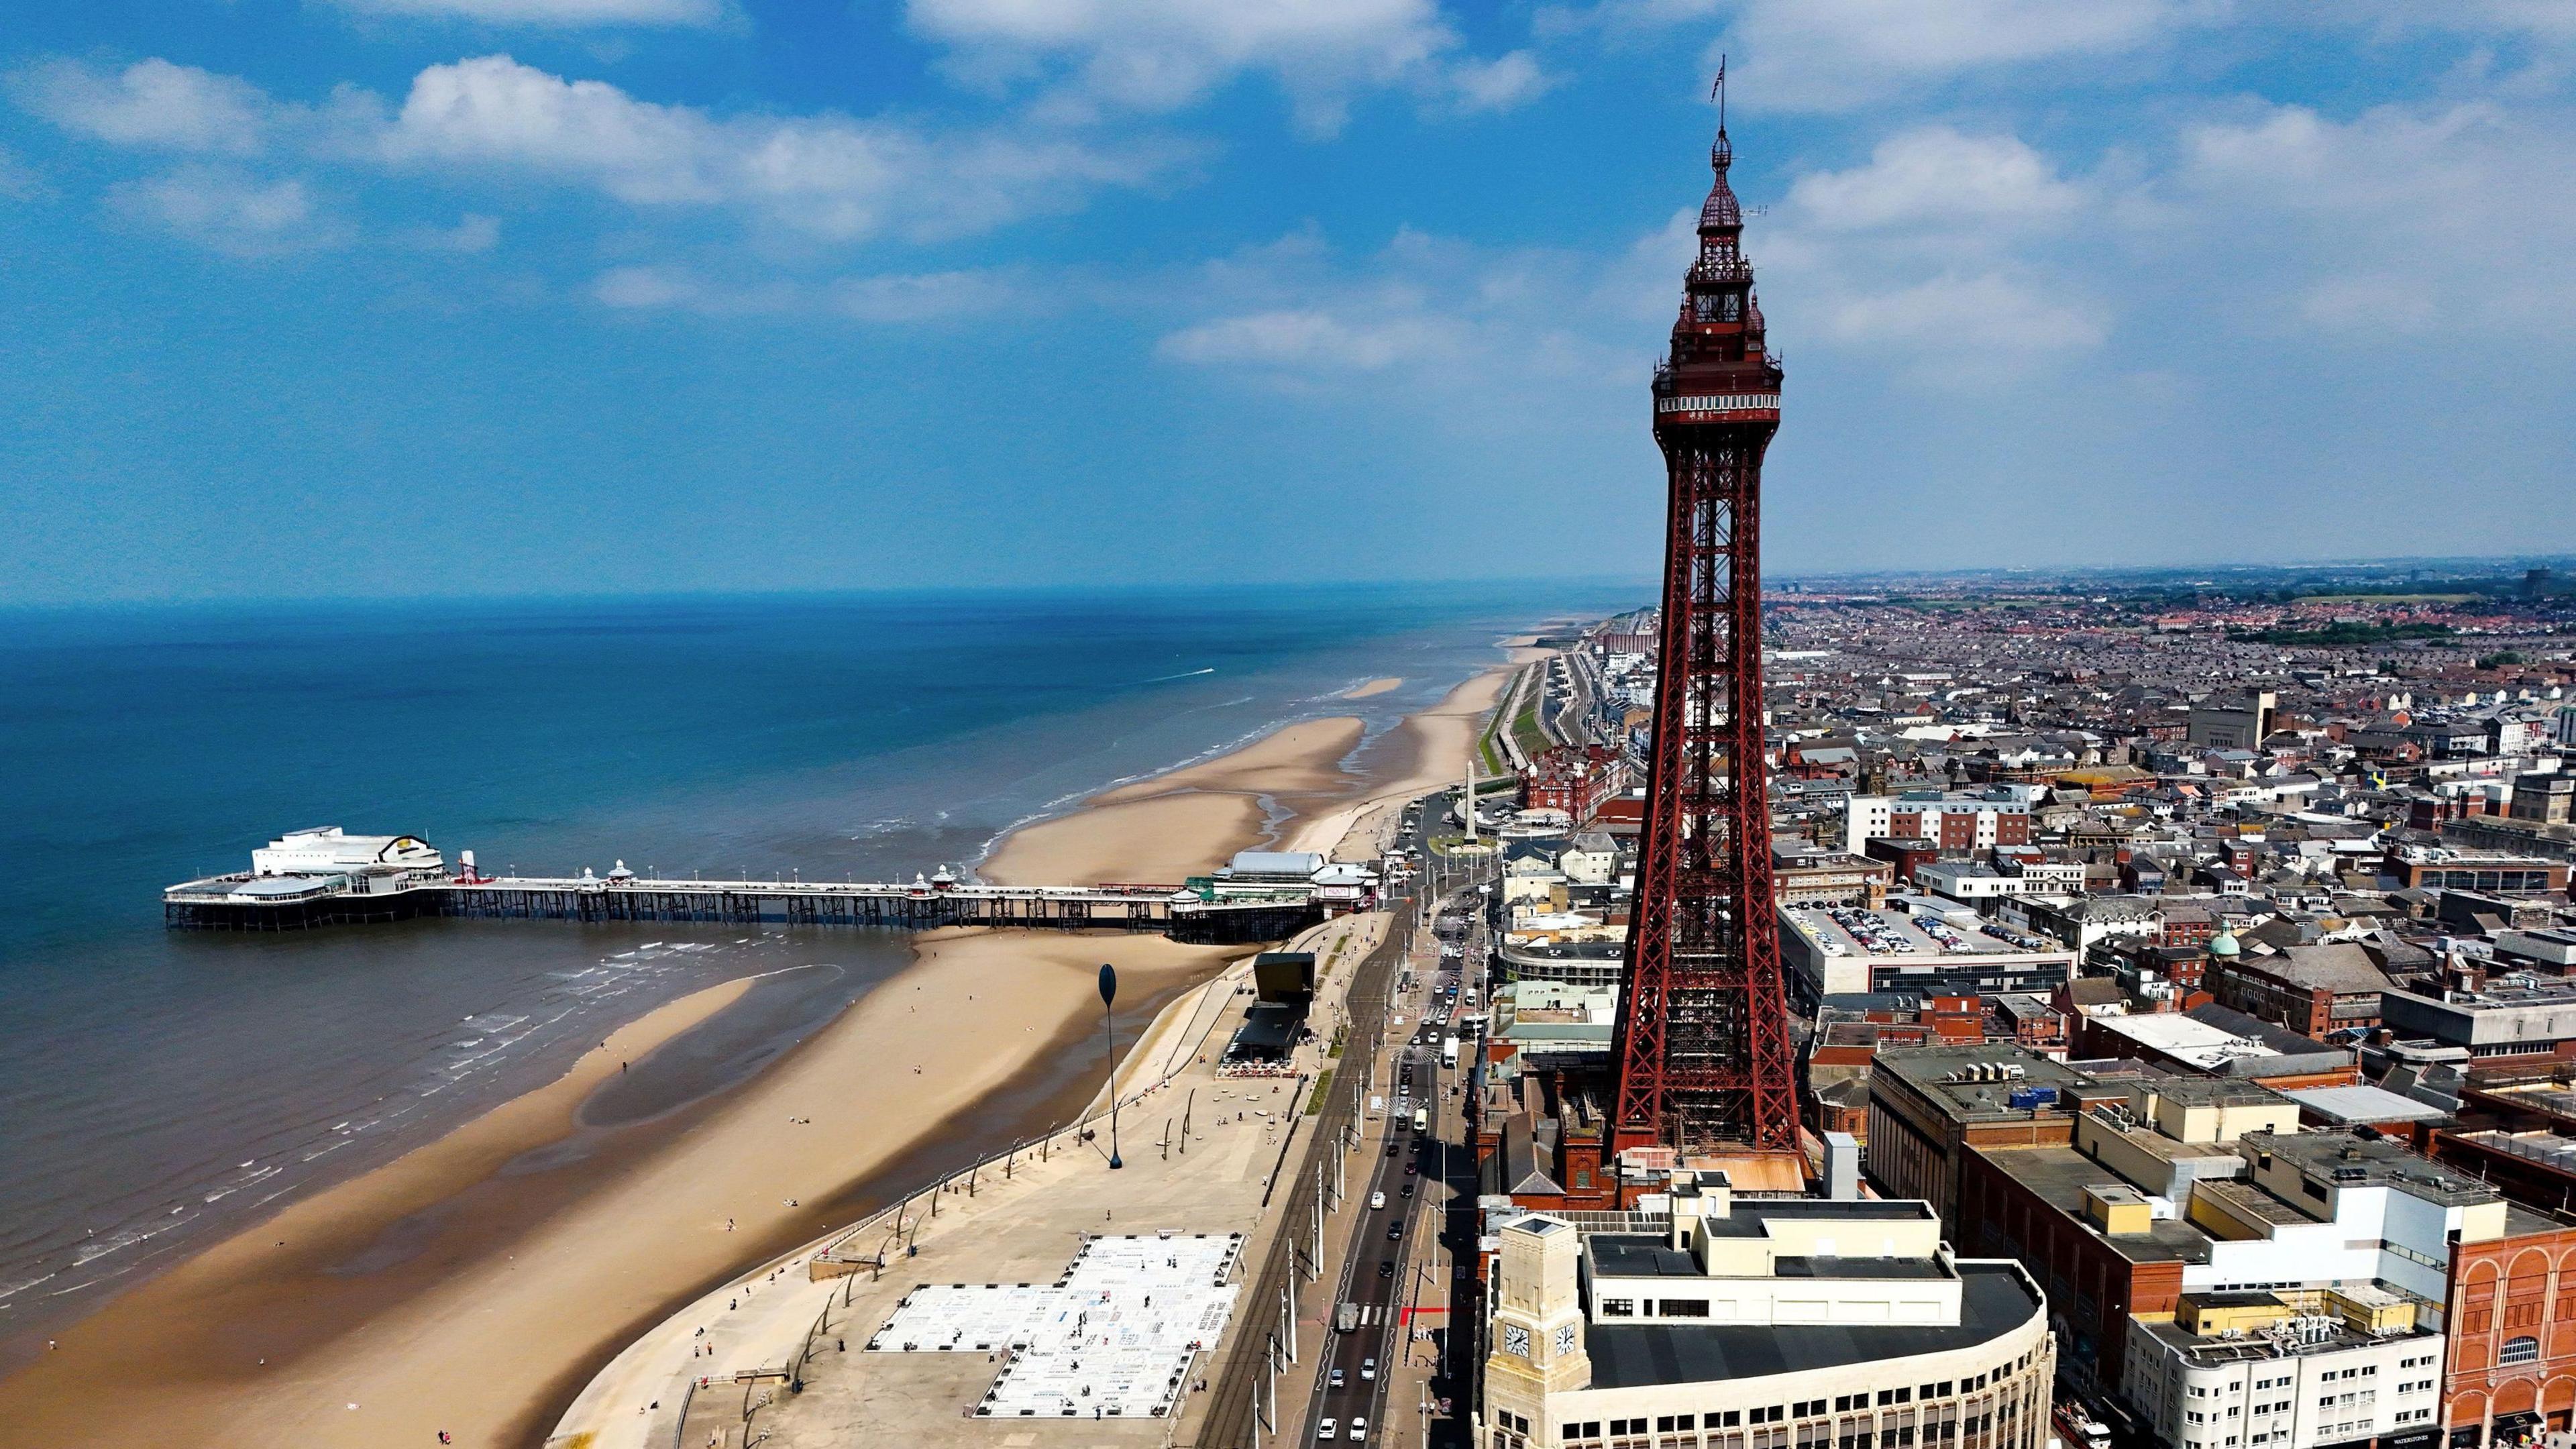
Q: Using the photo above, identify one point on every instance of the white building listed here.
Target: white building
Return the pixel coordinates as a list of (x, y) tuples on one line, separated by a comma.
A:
[(1758, 1325), (329, 850), (2286, 1370), (1845, 950), (1593, 859), (358, 864), (1963, 880)]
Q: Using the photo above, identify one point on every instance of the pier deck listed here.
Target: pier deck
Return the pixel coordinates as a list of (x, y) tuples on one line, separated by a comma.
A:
[(254, 903)]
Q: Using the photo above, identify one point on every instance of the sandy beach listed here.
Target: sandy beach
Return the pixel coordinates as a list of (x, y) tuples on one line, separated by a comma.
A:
[(473, 1285)]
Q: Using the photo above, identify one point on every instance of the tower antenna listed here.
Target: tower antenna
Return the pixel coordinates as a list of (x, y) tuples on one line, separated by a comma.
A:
[(1718, 92)]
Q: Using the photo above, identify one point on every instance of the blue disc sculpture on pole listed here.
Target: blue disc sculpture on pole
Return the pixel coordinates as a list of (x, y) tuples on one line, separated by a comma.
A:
[(1109, 1023)]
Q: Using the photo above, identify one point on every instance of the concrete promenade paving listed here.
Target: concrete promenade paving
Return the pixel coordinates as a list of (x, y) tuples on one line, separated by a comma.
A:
[(718, 1372)]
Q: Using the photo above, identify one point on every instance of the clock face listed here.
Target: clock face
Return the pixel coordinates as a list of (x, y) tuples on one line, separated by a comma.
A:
[(1516, 1339), (1565, 1338)]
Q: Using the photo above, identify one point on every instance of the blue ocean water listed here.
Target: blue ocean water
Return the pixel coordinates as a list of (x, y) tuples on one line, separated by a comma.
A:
[(157, 1087)]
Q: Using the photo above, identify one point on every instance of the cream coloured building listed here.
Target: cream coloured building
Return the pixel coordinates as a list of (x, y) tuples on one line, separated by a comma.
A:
[(1761, 1324)]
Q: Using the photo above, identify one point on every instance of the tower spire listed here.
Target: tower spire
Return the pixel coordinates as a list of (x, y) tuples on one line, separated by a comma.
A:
[(1721, 210)]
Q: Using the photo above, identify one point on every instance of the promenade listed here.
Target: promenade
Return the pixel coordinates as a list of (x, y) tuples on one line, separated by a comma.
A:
[(779, 1355)]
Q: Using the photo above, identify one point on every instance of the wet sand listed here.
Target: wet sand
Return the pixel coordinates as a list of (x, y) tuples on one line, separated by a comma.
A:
[(475, 1284), (1371, 688), (1186, 822)]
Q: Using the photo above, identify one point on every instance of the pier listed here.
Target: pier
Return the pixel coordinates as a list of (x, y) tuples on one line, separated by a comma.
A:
[(326, 878)]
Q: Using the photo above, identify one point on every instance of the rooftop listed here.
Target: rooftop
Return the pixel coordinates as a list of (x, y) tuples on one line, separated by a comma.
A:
[(1995, 1299), (1944, 1074), (2340, 967), (2357, 1104), (2210, 1047), (2347, 1160), (1746, 1221), (1888, 936), (2254, 1346), (2059, 1176)]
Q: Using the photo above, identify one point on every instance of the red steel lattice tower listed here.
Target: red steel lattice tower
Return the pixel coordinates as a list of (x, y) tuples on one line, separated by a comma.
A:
[(1702, 1049)]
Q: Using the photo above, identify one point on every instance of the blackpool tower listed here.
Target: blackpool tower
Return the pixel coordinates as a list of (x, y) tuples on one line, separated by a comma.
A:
[(1702, 1043)]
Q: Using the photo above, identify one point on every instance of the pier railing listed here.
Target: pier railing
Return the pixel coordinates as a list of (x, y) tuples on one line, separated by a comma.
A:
[(213, 904)]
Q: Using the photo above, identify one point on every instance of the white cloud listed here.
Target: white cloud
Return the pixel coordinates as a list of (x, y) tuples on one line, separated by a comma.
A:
[(1492, 331), (472, 233), (829, 176), (149, 103), (1162, 55), (824, 176), (1500, 84), (230, 211), (1941, 254), (890, 299), (1936, 176), (2397, 220), (924, 297), (555, 13), (1955, 313), (1834, 54), (1315, 340)]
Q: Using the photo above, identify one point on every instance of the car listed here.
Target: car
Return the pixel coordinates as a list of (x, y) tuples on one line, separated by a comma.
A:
[(1368, 1370), (1395, 1230), (1386, 1268), (1408, 1189), (1392, 1149), (1337, 1378), (1327, 1428), (1359, 1428), (1377, 1201), (1410, 1169)]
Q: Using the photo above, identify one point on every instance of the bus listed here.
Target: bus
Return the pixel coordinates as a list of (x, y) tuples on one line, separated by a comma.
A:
[(1449, 1052), (1421, 1119)]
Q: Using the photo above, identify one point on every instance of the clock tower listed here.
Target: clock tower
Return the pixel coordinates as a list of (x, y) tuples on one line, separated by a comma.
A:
[(1538, 1326)]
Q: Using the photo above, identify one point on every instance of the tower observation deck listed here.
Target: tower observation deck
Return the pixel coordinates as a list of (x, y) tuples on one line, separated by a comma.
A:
[(1701, 1047)]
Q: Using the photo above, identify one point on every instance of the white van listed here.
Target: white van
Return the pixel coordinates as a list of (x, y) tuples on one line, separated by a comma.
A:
[(1377, 1201)]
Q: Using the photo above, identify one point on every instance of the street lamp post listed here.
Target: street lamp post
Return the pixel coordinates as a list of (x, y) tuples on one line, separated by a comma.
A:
[(1109, 1024)]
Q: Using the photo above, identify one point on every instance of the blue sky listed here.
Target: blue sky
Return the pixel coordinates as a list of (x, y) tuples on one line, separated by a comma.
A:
[(334, 297)]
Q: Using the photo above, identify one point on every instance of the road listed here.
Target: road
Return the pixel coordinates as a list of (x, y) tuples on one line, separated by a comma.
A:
[(1403, 1246)]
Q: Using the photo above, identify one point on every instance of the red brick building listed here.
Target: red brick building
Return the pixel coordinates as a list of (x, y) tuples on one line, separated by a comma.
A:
[(1576, 781), (2311, 990), (2186, 924), (2512, 1358), (1960, 826)]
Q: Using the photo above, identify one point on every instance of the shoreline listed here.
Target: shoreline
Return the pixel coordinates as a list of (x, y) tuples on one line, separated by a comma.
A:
[(477, 1260)]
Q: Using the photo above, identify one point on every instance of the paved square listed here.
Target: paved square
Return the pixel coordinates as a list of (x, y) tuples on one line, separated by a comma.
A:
[(1113, 1338)]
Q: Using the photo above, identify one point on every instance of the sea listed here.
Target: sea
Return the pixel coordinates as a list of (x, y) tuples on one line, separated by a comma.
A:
[(160, 1088)]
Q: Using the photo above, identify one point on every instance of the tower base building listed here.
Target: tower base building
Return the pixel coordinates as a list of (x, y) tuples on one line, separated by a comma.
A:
[(1761, 1324)]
